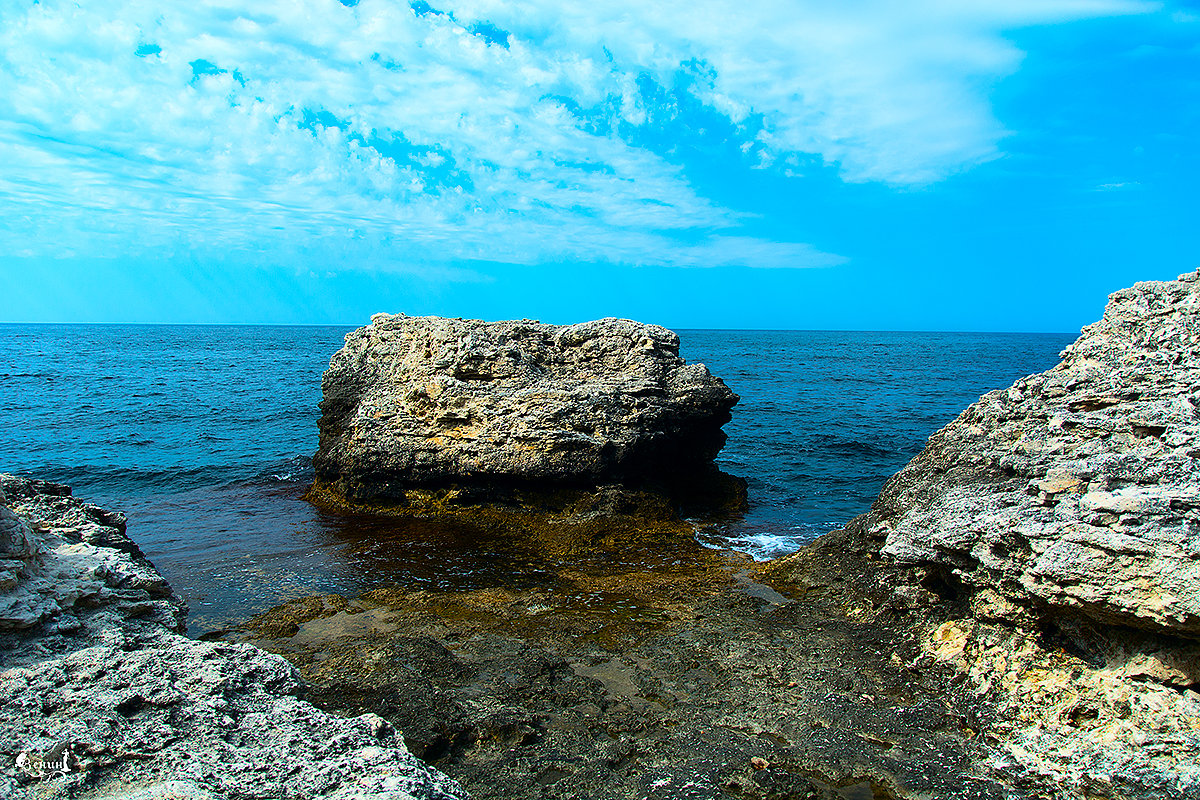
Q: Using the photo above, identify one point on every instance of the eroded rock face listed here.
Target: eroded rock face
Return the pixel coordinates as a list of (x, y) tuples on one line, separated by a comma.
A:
[(67, 570), (1079, 488), (427, 402), (99, 692), (1077, 713)]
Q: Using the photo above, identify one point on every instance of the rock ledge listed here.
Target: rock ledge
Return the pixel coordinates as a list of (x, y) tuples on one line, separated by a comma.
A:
[(1076, 490), (101, 696)]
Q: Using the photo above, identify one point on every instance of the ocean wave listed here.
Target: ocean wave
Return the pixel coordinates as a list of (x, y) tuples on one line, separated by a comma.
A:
[(838, 444), (761, 541), (107, 481), (296, 468)]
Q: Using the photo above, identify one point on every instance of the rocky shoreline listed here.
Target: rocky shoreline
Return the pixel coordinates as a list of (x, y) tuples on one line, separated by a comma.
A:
[(1065, 512), (1020, 601), (102, 696), (1016, 617), (688, 678)]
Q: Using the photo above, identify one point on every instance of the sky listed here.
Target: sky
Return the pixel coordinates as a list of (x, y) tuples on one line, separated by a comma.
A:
[(787, 164)]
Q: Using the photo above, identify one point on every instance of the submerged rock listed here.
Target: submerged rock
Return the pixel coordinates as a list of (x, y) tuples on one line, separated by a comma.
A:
[(413, 404), (662, 674), (100, 693), (1077, 489)]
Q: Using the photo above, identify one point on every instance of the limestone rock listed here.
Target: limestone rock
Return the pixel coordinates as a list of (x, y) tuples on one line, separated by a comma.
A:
[(99, 692), (1079, 488), (427, 402), (73, 568), (227, 718), (1115, 719)]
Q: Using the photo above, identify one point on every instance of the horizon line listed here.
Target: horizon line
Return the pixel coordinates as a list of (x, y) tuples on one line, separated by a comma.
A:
[(355, 326)]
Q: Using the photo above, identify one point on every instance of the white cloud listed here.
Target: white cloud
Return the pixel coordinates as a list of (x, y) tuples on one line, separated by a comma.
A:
[(283, 125), (890, 91)]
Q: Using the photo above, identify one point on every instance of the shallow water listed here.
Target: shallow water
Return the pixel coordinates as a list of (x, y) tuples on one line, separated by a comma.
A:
[(202, 435)]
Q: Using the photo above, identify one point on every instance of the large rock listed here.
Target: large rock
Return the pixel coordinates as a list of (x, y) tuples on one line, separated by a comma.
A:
[(433, 403), (1077, 489), (99, 691)]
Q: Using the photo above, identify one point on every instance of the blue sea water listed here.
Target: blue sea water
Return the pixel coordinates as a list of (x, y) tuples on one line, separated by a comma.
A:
[(203, 436)]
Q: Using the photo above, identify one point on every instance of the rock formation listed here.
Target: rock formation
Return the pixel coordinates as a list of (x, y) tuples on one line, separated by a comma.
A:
[(476, 407), (70, 574), (1077, 489), (1033, 634), (99, 691), (1061, 517)]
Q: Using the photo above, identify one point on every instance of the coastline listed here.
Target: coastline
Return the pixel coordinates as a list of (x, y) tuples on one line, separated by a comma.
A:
[(129, 419), (935, 646), (1033, 565), (706, 681), (102, 696)]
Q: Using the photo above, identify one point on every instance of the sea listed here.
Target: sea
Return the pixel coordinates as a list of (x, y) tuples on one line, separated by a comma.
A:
[(203, 436)]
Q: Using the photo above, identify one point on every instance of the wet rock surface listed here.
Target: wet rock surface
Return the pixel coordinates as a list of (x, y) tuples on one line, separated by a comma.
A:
[(470, 410), (101, 696), (670, 673)]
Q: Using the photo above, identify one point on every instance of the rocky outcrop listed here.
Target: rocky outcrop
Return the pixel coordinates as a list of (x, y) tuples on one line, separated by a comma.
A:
[(1059, 522), (99, 692), (69, 574), (414, 403), (1077, 489)]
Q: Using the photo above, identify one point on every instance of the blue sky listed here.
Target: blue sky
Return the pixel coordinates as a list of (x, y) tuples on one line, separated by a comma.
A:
[(859, 164)]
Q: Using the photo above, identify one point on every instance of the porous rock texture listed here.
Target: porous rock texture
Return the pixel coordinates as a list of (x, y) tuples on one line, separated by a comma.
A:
[(1062, 517), (1079, 488), (433, 403), (100, 695)]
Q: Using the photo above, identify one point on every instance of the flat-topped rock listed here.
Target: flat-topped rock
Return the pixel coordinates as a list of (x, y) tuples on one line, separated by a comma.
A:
[(1079, 488), (434, 403)]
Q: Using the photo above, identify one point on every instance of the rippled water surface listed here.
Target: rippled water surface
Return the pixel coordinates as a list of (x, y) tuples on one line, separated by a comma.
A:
[(202, 435)]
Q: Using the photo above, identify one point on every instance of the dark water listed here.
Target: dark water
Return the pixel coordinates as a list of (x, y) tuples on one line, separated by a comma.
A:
[(202, 435)]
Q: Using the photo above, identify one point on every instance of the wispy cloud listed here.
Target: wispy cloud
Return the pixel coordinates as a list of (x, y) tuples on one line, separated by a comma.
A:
[(503, 131)]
